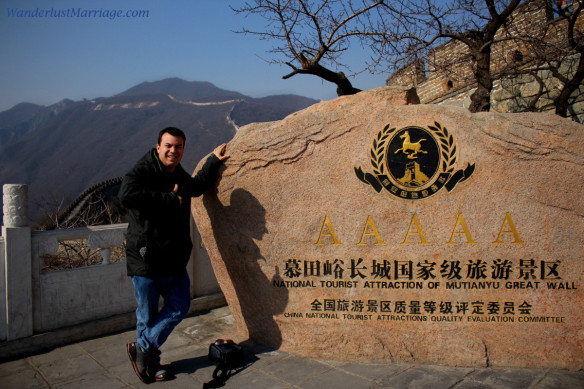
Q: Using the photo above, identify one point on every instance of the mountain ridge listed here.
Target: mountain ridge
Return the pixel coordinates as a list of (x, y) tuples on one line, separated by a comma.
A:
[(182, 90)]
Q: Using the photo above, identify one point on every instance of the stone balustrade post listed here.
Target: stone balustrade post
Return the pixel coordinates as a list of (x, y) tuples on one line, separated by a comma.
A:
[(17, 263)]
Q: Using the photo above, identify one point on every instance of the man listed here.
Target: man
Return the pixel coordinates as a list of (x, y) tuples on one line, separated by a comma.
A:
[(157, 192)]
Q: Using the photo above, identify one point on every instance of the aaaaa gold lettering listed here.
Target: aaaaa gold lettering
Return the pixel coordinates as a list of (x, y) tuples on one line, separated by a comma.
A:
[(415, 233)]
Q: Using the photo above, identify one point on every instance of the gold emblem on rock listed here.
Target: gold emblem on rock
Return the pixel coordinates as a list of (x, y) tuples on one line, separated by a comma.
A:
[(414, 162)]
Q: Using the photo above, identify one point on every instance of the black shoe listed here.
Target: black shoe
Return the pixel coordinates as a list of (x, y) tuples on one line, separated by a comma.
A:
[(155, 370), (139, 361)]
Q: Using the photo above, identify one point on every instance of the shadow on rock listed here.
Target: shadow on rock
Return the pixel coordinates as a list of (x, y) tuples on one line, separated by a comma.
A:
[(236, 229)]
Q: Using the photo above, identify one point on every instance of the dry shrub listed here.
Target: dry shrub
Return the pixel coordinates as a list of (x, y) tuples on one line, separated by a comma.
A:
[(75, 253)]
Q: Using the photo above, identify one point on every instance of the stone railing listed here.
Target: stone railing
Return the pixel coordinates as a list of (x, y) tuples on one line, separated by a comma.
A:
[(34, 302), (67, 297)]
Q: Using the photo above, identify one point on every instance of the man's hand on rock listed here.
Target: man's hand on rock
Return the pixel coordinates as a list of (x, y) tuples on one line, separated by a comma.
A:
[(221, 152)]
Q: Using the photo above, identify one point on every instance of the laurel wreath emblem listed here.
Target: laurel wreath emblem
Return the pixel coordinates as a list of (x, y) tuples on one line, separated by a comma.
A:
[(447, 148), (448, 177)]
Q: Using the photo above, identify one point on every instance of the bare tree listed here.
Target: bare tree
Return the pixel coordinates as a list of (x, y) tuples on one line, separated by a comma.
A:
[(51, 209), (308, 33), (94, 211), (424, 24), (311, 36), (550, 51), (559, 48), (97, 211)]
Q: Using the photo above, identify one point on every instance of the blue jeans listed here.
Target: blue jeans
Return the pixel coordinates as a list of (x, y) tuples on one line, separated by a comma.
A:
[(153, 326)]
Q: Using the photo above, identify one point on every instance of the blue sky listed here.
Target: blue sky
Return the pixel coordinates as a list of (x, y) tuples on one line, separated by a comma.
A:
[(46, 59)]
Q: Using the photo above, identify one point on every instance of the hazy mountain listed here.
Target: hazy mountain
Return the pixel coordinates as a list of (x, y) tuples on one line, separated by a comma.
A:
[(26, 117), (63, 149), (193, 91)]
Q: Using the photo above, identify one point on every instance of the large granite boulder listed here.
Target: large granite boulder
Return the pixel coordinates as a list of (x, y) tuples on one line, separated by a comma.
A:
[(361, 228)]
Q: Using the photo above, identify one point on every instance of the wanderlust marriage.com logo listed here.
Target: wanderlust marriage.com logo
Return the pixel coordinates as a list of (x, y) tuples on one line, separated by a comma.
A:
[(76, 13)]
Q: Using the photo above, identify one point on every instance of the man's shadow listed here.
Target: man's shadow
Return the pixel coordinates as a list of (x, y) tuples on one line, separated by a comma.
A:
[(236, 228)]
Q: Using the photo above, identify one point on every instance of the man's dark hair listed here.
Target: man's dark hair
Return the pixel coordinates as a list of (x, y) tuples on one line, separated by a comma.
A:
[(174, 132)]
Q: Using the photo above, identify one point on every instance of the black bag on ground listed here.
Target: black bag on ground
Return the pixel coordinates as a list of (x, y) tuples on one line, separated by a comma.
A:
[(226, 355)]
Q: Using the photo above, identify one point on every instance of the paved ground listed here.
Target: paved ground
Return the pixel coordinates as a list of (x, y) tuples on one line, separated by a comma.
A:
[(103, 363)]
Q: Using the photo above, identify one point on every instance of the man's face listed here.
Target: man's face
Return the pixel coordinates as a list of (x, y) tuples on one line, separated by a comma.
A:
[(170, 151)]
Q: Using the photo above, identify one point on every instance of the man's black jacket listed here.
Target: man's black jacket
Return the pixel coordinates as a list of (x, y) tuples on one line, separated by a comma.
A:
[(158, 241)]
